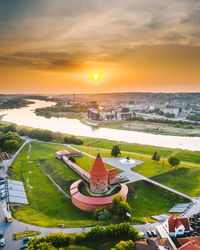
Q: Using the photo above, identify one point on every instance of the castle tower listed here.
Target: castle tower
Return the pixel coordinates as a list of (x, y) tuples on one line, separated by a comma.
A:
[(98, 176)]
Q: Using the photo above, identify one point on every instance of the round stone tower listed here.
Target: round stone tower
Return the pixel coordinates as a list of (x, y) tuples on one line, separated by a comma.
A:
[(98, 176)]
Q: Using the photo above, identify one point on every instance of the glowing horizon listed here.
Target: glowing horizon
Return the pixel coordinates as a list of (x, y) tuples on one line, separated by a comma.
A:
[(139, 46)]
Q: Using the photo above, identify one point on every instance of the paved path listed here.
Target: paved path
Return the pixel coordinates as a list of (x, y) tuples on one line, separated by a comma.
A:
[(16, 226), (148, 156), (133, 176)]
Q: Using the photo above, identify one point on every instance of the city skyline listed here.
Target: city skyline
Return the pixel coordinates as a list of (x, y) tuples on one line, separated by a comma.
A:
[(137, 46)]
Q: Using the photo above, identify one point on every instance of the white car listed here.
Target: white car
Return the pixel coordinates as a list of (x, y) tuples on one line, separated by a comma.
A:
[(2, 242)]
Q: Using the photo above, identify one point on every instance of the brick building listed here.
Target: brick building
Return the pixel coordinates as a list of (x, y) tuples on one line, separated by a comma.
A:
[(100, 176)]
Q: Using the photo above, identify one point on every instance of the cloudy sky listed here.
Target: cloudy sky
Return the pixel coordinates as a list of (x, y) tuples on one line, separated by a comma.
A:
[(49, 46)]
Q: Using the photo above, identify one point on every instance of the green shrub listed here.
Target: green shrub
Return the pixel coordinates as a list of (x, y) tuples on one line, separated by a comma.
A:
[(120, 207), (125, 245), (79, 238), (102, 214), (72, 140), (134, 234), (54, 239), (97, 232)]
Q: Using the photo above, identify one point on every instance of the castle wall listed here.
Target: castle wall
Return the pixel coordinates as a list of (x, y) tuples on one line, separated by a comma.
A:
[(89, 204)]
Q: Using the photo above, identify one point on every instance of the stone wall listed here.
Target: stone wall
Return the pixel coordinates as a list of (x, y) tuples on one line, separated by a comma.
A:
[(89, 204)]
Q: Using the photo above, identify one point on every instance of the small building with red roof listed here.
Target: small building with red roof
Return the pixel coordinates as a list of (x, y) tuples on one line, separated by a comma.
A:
[(176, 226), (189, 246)]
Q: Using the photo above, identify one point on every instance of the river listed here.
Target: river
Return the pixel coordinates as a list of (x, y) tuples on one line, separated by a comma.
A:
[(26, 116)]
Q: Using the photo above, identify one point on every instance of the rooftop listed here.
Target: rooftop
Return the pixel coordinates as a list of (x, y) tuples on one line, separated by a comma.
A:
[(98, 168)]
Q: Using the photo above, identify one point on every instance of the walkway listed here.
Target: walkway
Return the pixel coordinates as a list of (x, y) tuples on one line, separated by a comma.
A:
[(133, 176)]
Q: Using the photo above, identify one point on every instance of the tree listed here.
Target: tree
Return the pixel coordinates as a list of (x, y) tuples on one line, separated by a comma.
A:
[(11, 136), (156, 156), (115, 151), (10, 127), (102, 213), (120, 207), (125, 245), (174, 161), (43, 246), (11, 145)]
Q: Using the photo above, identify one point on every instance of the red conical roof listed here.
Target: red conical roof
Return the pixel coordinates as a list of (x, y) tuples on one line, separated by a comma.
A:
[(98, 168)]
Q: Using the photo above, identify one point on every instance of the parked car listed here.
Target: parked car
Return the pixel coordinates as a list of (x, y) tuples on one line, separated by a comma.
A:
[(2, 181), (153, 232), (149, 233), (2, 242), (24, 245), (3, 196), (1, 234), (2, 178)]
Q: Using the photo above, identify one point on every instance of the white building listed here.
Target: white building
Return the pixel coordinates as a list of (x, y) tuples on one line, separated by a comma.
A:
[(176, 226), (171, 110)]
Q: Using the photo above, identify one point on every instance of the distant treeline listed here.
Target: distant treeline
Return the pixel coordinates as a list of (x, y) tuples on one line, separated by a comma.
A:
[(14, 131), (194, 117), (49, 136), (165, 121), (15, 103), (9, 138), (51, 111)]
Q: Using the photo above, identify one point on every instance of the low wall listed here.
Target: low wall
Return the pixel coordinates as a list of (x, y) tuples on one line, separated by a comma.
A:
[(89, 204), (85, 175)]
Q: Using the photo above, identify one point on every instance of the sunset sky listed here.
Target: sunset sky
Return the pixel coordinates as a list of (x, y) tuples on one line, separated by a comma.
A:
[(52, 46)]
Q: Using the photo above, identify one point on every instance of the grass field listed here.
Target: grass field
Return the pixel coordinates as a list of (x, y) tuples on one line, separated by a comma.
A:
[(146, 199), (148, 168), (186, 180), (184, 155), (50, 208)]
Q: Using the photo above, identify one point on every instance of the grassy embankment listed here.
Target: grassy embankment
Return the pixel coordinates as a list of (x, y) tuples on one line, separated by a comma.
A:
[(21, 235), (48, 207), (152, 127), (15, 104), (148, 126)]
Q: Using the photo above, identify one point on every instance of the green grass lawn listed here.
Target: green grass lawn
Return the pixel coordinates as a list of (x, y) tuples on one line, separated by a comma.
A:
[(129, 147), (186, 180), (147, 199), (48, 207), (189, 156), (184, 155)]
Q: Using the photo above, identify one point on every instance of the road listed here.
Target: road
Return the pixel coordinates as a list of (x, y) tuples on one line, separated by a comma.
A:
[(16, 226)]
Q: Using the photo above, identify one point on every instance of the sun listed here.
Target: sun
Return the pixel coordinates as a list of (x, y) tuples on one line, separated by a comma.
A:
[(96, 76)]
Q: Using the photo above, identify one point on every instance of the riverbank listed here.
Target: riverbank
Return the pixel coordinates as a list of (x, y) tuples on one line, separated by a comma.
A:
[(27, 117), (185, 155), (138, 126)]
